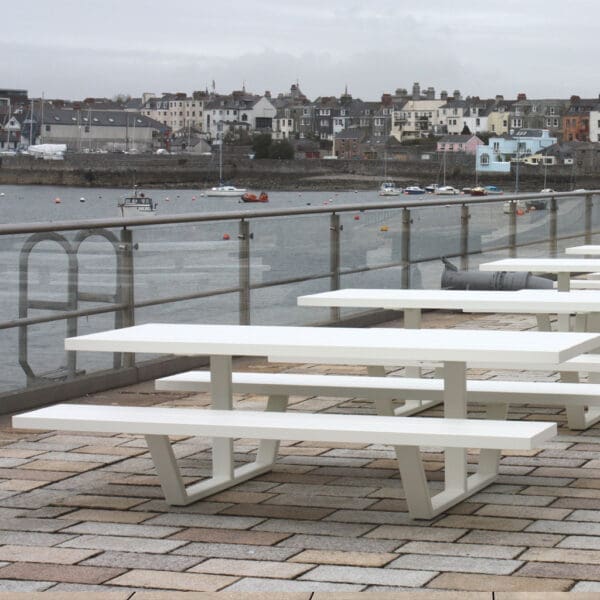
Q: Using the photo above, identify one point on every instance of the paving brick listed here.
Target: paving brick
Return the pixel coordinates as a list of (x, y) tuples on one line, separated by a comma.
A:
[(92, 501), (251, 568), (565, 527), (460, 549), (586, 586), (406, 532), (331, 543), (475, 522), (241, 551), (169, 580), (338, 502), (498, 583), (77, 456), (252, 584), (160, 506), (62, 573), (123, 544), (34, 475), (556, 570), (525, 512), (42, 554), (559, 555), (353, 559), (200, 520), (370, 576), (221, 596), (577, 503), (121, 529), (230, 536), (325, 490), (587, 542), (108, 516), (139, 560), (30, 538), (462, 564), (32, 524), (511, 538), (511, 499), (62, 465), (12, 585), (233, 496), (584, 515), (278, 512), (321, 527)]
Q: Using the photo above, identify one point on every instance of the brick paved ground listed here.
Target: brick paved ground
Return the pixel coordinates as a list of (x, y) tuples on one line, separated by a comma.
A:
[(84, 512)]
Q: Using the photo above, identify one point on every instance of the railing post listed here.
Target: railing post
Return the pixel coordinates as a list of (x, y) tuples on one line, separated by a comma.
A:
[(405, 253), (126, 291), (334, 259), (464, 237), (244, 263), (588, 218), (553, 223), (512, 230)]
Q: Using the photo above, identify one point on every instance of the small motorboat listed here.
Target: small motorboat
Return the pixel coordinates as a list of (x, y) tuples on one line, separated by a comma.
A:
[(431, 188), (492, 189), (249, 197), (137, 205), (479, 191), (446, 190), (388, 188), (414, 189)]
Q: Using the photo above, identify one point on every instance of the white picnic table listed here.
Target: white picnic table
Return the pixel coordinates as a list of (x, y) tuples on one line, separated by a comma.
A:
[(563, 267), (542, 303), (454, 348)]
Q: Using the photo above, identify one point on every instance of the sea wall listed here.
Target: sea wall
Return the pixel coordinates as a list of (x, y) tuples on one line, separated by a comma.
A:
[(120, 170)]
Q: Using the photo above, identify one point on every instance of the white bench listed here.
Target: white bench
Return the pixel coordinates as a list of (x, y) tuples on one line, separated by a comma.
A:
[(406, 435), (418, 394)]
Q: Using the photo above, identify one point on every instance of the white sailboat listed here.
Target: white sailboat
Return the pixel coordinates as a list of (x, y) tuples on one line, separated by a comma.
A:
[(222, 190)]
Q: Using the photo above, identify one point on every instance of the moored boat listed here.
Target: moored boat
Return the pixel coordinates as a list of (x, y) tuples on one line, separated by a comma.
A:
[(225, 191), (249, 197), (446, 190), (388, 188), (478, 191), (493, 189), (138, 205), (414, 189)]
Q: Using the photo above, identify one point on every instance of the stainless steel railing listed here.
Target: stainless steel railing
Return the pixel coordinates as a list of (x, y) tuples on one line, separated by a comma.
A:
[(123, 303)]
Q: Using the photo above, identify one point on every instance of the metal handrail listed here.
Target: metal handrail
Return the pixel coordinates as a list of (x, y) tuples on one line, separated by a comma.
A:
[(18, 228)]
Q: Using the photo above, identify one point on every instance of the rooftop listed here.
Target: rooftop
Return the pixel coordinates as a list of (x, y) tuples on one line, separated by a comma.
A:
[(84, 512)]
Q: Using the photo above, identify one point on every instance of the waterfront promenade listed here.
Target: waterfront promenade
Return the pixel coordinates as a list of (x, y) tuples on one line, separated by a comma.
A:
[(84, 512)]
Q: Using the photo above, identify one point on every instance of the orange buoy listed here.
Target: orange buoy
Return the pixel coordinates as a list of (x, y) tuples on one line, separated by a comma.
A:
[(193, 198), (226, 236), (383, 228), (356, 218), (520, 212)]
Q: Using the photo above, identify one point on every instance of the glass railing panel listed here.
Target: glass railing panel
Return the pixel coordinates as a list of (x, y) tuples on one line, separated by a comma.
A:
[(282, 248)]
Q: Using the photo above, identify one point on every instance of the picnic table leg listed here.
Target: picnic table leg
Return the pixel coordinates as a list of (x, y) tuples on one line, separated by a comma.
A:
[(582, 417), (221, 396), (563, 282), (455, 407)]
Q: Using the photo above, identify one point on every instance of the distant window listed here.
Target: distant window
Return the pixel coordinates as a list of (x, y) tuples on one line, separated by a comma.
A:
[(47, 127), (484, 159), (87, 128), (496, 146)]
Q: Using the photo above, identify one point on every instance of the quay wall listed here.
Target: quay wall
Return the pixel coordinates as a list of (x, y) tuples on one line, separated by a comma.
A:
[(190, 171)]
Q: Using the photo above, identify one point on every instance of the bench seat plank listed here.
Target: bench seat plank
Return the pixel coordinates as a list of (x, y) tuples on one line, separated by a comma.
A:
[(317, 427), (482, 391)]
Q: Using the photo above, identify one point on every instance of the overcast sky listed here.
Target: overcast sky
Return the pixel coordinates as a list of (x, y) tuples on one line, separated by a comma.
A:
[(78, 48)]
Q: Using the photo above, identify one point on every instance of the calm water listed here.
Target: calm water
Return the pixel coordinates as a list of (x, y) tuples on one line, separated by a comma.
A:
[(192, 258)]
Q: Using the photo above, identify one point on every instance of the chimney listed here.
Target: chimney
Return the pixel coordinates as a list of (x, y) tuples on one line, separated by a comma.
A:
[(386, 99), (401, 93), (444, 95), (521, 96), (416, 91), (456, 95), (267, 94), (499, 97)]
